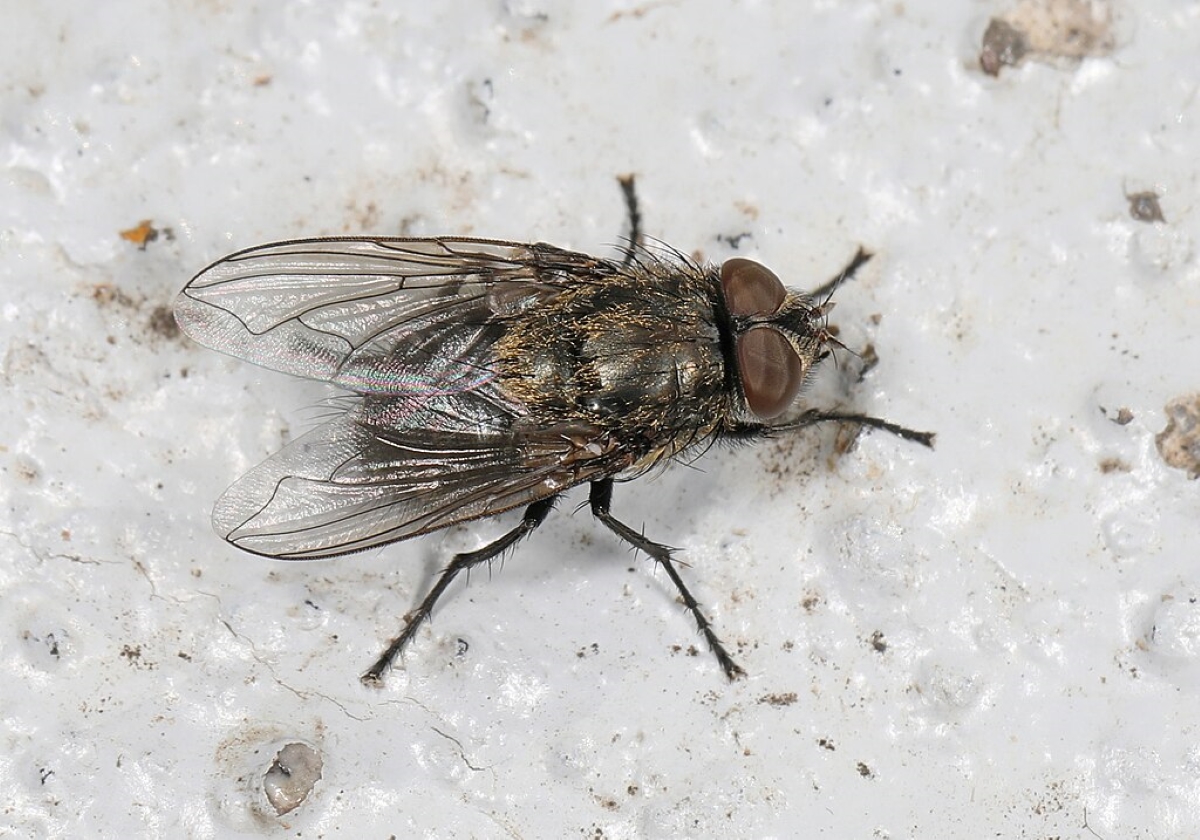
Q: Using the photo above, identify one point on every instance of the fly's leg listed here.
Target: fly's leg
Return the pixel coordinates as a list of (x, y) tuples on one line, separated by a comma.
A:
[(826, 289), (750, 431), (535, 515), (601, 501), (629, 191)]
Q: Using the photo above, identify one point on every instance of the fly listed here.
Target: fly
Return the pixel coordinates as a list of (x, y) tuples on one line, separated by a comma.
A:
[(488, 375)]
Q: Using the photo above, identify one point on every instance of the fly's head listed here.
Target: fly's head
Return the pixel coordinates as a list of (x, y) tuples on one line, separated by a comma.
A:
[(778, 336)]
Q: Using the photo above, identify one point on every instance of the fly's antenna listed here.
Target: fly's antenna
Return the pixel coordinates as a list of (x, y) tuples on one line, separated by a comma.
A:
[(830, 340)]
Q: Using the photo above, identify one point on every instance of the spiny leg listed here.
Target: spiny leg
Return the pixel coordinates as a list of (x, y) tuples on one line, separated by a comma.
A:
[(629, 191), (749, 431), (535, 515), (827, 288), (601, 501)]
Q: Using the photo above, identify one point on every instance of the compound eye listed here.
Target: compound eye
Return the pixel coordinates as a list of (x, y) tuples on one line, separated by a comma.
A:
[(771, 371), (750, 289)]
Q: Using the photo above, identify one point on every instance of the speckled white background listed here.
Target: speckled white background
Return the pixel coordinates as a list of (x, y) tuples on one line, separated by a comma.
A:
[(998, 638)]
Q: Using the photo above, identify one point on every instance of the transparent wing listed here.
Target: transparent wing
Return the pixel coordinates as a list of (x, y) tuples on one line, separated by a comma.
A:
[(375, 315), (355, 483), (409, 325)]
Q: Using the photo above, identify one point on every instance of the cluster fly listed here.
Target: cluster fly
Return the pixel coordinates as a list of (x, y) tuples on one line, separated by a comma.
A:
[(488, 375)]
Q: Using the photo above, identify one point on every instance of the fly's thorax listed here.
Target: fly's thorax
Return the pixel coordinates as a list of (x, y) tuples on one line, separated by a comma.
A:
[(777, 337), (639, 355)]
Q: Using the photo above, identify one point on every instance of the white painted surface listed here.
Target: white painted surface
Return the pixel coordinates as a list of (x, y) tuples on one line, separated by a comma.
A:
[(1040, 614)]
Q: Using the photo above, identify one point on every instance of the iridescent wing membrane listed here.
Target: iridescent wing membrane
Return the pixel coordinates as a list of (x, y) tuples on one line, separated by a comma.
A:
[(409, 325)]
